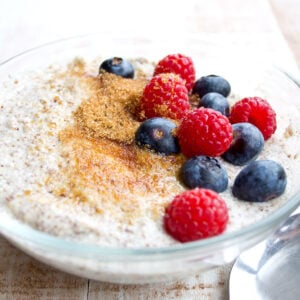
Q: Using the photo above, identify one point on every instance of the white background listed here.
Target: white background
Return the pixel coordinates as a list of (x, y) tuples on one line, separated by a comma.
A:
[(28, 23)]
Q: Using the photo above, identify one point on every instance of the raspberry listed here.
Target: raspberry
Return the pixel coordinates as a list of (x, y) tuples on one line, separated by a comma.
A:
[(164, 96), (179, 64), (256, 111), (204, 131), (196, 214)]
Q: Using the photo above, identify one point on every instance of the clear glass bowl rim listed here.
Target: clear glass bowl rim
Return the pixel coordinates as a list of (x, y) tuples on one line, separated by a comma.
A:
[(42, 239)]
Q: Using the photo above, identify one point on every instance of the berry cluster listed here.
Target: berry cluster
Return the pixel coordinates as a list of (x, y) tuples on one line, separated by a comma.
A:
[(206, 134)]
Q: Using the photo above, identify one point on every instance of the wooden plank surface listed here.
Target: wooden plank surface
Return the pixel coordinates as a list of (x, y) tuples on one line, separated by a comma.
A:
[(22, 277), (247, 25)]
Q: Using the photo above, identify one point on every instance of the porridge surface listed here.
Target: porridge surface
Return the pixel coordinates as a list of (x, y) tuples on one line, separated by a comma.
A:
[(69, 165)]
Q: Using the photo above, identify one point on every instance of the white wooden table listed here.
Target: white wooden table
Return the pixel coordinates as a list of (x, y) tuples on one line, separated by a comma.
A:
[(264, 28)]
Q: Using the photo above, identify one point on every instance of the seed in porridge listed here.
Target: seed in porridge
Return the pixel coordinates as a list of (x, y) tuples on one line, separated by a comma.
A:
[(257, 111), (179, 64), (204, 172), (157, 134), (117, 66), (164, 96), (204, 131), (260, 181), (247, 143), (211, 83), (215, 101), (196, 214)]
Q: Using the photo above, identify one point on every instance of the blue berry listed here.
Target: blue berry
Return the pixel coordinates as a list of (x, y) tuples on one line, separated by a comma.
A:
[(211, 83), (157, 134), (117, 66), (204, 172), (215, 101), (260, 181), (246, 145)]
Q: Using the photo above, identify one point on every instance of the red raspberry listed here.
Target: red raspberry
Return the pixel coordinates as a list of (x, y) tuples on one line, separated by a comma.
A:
[(164, 96), (179, 64), (204, 131), (256, 111), (196, 214)]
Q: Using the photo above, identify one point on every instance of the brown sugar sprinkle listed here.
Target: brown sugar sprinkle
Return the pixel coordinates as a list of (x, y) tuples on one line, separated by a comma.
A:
[(107, 174), (27, 192), (56, 99), (109, 112), (104, 168), (288, 132), (77, 66)]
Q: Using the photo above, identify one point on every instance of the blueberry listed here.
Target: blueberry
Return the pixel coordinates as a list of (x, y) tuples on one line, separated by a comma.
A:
[(118, 66), (157, 134), (247, 143), (215, 101), (211, 83), (204, 172), (260, 181)]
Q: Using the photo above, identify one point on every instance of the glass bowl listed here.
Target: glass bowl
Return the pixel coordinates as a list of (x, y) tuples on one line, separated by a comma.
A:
[(145, 265)]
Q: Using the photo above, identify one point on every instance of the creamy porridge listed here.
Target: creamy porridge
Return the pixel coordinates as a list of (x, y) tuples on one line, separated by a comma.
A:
[(69, 165)]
